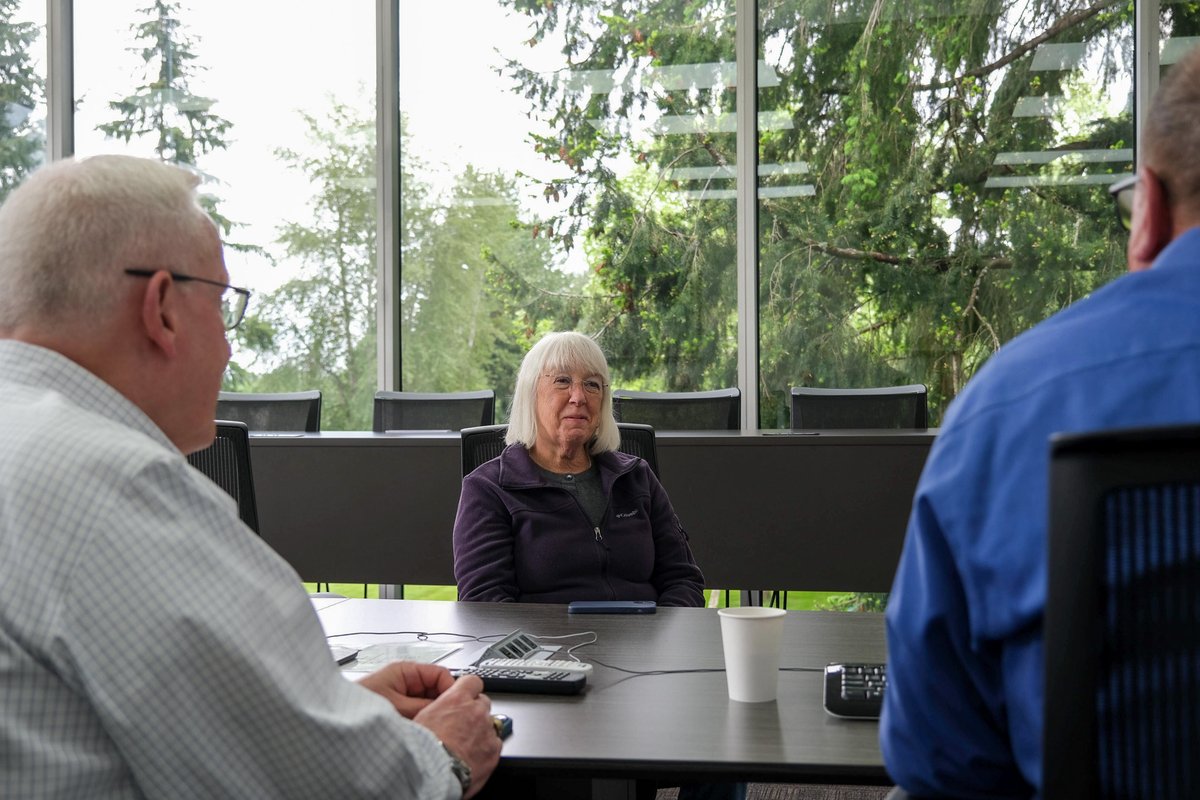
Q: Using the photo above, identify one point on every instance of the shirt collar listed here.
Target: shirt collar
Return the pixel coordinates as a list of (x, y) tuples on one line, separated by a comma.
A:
[(40, 367)]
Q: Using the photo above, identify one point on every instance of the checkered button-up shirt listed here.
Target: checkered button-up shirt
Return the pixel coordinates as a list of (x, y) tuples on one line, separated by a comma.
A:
[(150, 644)]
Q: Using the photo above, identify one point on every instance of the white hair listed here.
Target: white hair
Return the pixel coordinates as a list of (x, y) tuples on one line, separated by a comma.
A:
[(69, 231), (568, 352)]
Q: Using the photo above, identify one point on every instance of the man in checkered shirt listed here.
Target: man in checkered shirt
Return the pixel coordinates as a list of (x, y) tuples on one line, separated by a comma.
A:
[(151, 645)]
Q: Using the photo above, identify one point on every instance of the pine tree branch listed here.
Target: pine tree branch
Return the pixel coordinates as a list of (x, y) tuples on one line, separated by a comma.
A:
[(512, 272), (1065, 22), (855, 254)]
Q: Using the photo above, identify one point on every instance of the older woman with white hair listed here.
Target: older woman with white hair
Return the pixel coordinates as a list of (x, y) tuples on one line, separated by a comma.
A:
[(561, 515)]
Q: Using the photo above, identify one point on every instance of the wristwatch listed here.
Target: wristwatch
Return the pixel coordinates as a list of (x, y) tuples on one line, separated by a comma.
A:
[(459, 768)]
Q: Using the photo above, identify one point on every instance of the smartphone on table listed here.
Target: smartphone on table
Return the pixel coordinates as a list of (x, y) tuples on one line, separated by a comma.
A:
[(612, 607)]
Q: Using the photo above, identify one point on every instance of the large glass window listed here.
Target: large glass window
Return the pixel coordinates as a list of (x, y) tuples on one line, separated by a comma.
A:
[(942, 188), (930, 182), (569, 166), (22, 91), (276, 111), (930, 179), (1179, 28)]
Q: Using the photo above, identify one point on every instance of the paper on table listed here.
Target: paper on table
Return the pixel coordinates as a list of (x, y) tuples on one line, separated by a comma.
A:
[(374, 656)]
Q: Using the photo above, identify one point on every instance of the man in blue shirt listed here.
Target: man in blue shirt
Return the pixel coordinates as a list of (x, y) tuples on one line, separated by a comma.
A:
[(963, 713)]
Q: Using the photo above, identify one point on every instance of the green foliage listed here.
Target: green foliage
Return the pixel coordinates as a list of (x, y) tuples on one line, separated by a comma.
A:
[(180, 124), (900, 262), (889, 249), (472, 284), (468, 287), (164, 107), (21, 91), (318, 329), (853, 601), (181, 127)]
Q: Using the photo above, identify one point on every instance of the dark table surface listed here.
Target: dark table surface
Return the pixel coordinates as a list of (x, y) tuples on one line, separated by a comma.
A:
[(668, 726)]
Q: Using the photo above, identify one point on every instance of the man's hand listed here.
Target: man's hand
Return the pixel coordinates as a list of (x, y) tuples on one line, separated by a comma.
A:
[(407, 686), (462, 718), (457, 712)]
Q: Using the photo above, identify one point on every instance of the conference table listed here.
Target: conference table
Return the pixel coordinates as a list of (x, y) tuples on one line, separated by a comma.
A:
[(668, 727), (768, 509)]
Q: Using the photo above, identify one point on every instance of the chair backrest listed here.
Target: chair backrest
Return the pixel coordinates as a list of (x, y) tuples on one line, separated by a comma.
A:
[(886, 407), (1122, 618), (718, 410), (433, 411), (638, 440), (483, 443), (227, 463), (277, 411)]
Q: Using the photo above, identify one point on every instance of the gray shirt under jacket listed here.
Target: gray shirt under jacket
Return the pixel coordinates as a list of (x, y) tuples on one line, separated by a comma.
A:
[(586, 488)]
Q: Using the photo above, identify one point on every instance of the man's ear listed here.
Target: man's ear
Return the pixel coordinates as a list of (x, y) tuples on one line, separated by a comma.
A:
[(160, 312), (1152, 228)]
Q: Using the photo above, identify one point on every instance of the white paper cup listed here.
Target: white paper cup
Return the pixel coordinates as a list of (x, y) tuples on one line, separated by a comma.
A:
[(751, 637)]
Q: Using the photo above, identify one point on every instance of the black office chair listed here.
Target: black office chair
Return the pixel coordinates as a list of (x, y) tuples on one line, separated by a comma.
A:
[(483, 443), (1122, 617), (278, 411), (639, 440), (718, 410), (887, 407), (227, 463), (891, 407), (433, 411), (274, 412)]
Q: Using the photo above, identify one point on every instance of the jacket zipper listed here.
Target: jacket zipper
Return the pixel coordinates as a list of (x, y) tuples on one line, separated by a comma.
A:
[(598, 538)]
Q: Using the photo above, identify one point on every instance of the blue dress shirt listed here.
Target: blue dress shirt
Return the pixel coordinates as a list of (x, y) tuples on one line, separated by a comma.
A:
[(963, 713)]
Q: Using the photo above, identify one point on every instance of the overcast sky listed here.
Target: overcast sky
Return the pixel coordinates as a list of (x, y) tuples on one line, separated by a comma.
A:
[(264, 61)]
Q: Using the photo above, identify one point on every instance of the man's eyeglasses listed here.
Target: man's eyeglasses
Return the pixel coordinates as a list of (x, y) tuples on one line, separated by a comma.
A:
[(563, 383), (1122, 195), (233, 298)]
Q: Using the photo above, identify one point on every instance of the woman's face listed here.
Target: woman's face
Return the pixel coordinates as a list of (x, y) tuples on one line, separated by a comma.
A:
[(568, 408)]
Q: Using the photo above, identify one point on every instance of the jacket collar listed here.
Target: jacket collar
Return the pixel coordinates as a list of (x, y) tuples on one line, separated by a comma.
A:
[(517, 470)]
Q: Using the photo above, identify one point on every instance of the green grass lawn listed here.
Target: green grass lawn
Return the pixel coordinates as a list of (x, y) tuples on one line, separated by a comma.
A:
[(796, 601)]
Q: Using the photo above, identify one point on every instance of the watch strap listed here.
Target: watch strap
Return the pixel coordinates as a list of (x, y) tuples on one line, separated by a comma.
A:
[(459, 768)]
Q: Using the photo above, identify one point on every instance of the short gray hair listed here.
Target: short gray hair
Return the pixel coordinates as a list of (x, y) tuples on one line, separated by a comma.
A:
[(563, 351), (1170, 144), (69, 231)]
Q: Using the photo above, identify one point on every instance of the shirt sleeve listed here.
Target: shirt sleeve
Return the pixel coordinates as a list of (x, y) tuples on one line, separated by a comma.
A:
[(677, 577), (484, 561), (943, 731), (203, 658)]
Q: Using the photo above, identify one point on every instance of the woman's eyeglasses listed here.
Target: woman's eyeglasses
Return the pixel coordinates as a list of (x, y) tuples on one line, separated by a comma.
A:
[(563, 383)]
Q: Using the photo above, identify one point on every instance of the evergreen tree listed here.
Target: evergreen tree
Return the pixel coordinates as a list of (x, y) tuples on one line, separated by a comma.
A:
[(181, 124), (470, 276), (21, 91), (472, 290), (322, 323), (181, 127), (888, 250)]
